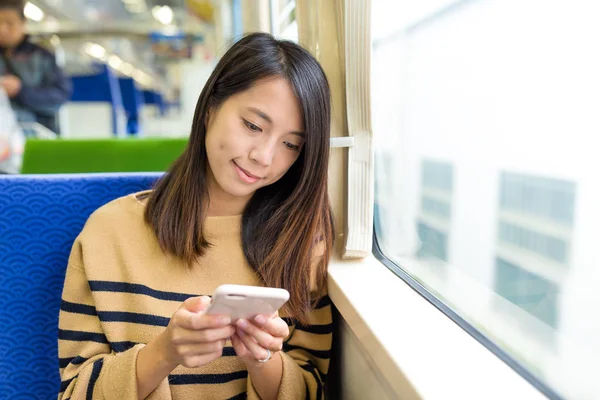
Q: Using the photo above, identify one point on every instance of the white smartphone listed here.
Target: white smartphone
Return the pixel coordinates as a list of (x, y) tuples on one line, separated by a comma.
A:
[(240, 301)]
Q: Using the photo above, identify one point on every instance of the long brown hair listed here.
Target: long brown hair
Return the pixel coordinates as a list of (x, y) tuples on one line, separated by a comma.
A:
[(284, 222)]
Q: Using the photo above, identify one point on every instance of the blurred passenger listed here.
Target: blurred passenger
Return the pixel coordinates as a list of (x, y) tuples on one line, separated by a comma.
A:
[(246, 203), (28, 73)]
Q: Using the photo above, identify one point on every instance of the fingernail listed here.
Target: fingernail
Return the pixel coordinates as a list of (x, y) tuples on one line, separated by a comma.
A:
[(224, 320), (260, 319), (205, 300), (242, 323)]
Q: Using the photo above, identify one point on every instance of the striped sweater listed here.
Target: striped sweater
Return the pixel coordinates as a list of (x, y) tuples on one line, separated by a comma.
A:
[(121, 290)]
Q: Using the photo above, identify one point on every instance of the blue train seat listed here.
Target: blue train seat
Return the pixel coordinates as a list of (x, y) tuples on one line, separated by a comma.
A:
[(40, 217)]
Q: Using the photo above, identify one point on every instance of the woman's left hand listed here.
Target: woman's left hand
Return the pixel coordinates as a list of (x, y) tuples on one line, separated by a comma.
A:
[(254, 337)]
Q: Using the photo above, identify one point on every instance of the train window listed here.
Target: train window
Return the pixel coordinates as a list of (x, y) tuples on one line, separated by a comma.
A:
[(283, 19), (487, 194)]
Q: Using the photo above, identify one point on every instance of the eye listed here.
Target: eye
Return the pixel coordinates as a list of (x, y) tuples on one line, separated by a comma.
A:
[(252, 127), (292, 146)]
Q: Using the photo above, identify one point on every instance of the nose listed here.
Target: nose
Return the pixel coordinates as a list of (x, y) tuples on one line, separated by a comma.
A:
[(263, 153)]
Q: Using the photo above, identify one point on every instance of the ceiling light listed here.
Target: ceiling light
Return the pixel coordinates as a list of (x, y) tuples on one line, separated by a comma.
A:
[(115, 62), (142, 78), (33, 12), (95, 50), (163, 14), (127, 69)]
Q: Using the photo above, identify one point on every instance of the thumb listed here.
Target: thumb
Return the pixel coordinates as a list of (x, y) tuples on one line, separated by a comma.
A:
[(197, 304)]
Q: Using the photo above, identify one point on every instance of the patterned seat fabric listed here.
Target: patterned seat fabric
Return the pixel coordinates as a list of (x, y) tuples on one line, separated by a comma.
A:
[(40, 217)]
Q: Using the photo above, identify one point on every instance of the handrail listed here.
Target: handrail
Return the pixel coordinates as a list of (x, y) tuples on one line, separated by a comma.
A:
[(41, 132)]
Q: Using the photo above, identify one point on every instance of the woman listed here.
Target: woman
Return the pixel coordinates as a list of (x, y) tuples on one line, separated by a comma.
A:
[(246, 203)]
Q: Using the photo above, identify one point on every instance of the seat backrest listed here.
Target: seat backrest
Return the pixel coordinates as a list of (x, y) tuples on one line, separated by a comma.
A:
[(40, 217), (69, 156)]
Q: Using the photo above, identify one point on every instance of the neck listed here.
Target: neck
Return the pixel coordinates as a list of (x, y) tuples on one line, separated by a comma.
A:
[(222, 204)]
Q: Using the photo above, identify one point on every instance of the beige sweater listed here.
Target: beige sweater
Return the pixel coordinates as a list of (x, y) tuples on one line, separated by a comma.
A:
[(121, 290)]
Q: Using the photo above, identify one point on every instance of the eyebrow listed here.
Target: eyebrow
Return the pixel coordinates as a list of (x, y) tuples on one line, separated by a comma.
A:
[(260, 114), (269, 120)]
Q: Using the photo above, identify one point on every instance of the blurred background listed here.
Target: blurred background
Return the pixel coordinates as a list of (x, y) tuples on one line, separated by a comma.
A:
[(160, 52), (137, 68)]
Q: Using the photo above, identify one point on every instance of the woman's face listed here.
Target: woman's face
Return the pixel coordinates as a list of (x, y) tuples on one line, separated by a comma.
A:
[(253, 138)]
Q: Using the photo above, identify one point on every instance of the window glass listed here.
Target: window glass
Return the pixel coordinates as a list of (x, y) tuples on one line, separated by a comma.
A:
[(485, 117), (284, 23)]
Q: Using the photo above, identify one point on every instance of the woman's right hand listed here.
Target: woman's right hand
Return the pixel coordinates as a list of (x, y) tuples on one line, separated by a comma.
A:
[(191, 339), (194, 339)]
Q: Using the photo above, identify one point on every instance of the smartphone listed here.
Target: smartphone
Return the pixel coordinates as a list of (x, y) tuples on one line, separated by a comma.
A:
[(239, 301)]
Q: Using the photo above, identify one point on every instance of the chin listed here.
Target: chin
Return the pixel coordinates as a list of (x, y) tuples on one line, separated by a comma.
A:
[(239, 190)]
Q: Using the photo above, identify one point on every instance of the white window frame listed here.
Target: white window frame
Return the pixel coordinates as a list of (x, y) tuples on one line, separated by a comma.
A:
[(408, 338)]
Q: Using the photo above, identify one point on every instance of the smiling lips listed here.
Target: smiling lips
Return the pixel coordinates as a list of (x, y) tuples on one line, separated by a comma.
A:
[(245, 175)]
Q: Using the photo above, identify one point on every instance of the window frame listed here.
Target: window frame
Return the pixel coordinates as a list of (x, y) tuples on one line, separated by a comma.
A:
[(461, 322)]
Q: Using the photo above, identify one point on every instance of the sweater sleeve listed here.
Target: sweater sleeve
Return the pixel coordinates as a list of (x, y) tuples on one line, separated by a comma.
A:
[(89, 367), (305, 357), (306, 353)]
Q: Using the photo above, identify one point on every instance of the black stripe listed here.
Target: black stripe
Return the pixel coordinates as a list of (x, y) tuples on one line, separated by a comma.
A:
[(324, 354), (64, 362), (78, 360), (241, 396), (77, 308), (323, 302), (95, 374), (135, 288), (134, 318), (79, 336), (316, 329), (309, 365), (120, 347), (311, 368), (229, 351), (65, 384), (204, 379)]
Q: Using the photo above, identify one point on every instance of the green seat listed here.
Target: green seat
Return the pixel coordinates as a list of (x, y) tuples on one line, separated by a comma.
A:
[(101, 155)]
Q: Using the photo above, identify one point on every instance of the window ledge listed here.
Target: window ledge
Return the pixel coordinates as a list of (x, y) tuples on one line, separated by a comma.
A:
[(411, 340)]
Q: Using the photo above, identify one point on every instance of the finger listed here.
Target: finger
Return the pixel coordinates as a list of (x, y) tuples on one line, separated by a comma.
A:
[(257, 351), (275, 326), (187, 313), (199, 349), (186, 336), (211, 335), (262, 337), (199, 361), (238, 346), (198, 321), (196, 304)]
